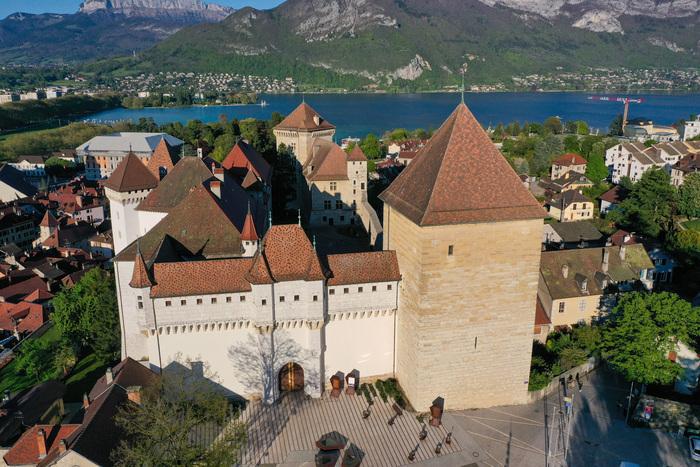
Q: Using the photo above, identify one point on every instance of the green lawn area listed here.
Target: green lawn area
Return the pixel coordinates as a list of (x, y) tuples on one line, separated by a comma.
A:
[(15, 381), (79, 382), (693, 225)]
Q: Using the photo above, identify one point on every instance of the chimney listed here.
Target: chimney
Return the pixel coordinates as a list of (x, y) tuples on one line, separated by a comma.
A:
[(606, 260), (213, 167), (86, 401), (41, 442), (565, 270), (134, 394), (623, 252), (219, 173), (62, 446), (109, 376), (215, 188)]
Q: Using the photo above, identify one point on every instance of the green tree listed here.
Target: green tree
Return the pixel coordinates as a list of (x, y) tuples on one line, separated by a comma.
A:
[(596, 170), (571, 144), (553, 125), (222, 146), (582, 128), (65, 358), (642, 330), (36, 359), (371, 146), (687, 244), (159, 429), (86, 315), (545, 149), (689, 196), (616, 126)]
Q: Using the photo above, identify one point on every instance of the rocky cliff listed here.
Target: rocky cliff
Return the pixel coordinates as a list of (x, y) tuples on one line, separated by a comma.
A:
[(158, 8)]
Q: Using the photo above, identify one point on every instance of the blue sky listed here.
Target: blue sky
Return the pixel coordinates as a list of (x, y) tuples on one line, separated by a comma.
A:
[(71, 6)]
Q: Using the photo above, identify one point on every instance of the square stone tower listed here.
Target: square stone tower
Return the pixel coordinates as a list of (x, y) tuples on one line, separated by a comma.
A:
[(467, 236)]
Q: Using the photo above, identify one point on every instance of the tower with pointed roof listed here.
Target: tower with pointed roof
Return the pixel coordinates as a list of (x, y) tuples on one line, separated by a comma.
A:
[(48, 226), (128, 185), (300, 129), (467, 236)]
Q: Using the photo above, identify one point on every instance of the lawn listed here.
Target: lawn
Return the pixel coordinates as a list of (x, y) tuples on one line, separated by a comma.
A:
[(693, 225), (15, 381)]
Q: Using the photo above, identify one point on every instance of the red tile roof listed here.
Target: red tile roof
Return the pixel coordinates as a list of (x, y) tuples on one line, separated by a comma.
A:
[(363, 268), (460, 177), (614, 195), (38, 296), (131, 175), (569, 159), (329, 162), (304, 118), (244, 156), (140, 278), (162, 157), (623, 237), (26, 450), (201, 277), (249, 232), (22, 289), (48, 220), (356, 155), (286, 255), (541, 317)]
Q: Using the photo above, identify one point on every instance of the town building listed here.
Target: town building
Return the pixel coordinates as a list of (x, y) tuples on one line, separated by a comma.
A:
[(570, 180), (17, 227), (611, 199), (664, 262), (691, 129), (572, 282), (643, 130), (630, 160), (102, 154), (564, 235), (13, 185), (301, 129), (31, 166), (570, 206), (9, 97), (40, 404), (687, 165), (205, 283), (566, 163)]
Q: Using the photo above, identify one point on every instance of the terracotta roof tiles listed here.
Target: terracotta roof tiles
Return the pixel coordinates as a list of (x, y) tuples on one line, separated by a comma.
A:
[(328, 162), (356, 155), (26, 450), (286, 255), (244, 156), (363, 268), (569, 159), (201, 277), (131, 175), (162, 157), (304, 118), (460, 177)]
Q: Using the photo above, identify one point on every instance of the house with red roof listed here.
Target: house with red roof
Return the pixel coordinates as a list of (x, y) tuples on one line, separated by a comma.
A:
[(569, 162)]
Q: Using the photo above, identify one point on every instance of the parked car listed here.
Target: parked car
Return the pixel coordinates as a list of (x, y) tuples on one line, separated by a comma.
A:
[(694, 446)]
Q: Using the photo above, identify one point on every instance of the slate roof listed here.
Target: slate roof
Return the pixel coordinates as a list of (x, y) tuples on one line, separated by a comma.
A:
[(587, 263), (328, 162), (127, 141), (201, 277), (571, 232), (15, 179), (460, 177), (567, 198), (302, 118), (286, 254), (569, 159), (363, 268), (163, 156), (188, 173), (244, 156), (131, 175)]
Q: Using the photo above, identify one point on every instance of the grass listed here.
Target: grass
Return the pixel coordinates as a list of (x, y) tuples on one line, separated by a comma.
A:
[(693, 225), (13, 380), (83, 377)]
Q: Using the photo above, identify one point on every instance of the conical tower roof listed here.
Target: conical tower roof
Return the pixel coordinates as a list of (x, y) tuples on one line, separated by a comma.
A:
[(131, 175), (162, 157), (48, 220), (460, 177), (140, 278), (304, 117), (249, 232)]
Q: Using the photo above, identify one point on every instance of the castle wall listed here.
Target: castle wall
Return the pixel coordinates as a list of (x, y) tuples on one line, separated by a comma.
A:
[(464, 326), (132, 319), (125, 218)]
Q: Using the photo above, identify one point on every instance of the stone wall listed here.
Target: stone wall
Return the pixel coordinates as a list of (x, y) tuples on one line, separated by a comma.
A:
[(465, 321)]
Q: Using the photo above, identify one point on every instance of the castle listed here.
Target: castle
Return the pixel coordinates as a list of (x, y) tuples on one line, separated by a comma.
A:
[(206, 283)]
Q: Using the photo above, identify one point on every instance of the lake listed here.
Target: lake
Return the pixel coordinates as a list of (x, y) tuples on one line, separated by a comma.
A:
[(359, 114)]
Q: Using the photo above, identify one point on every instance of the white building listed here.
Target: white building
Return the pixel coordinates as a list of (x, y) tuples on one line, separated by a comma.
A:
[(30, 166), (691, 129), (631, 160), (13, 185)]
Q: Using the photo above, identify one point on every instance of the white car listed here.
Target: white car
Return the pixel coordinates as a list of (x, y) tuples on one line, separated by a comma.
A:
[(694, 442)]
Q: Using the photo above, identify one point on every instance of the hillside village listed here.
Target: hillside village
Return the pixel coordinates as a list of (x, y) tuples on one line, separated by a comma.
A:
[(292, 272)]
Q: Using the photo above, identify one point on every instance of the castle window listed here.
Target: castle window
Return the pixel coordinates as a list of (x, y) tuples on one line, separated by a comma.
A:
[(296, 298), (346, 290), (213, 300), (334, 186), (562, 307), (360, 289), (228, 299), (331, 291), (242, 298), (140, 305), (374, 288), (315, 298), (338, 204), (450, 250), (281, 298), (199, 301), (264, 302), (362, 186), (168, 303), (388, 287), (326, 204), (183, 302)]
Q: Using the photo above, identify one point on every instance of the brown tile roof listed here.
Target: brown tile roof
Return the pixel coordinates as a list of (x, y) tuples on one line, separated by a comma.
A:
[(26, 450), (329, 162), (460, 177), (304, 118), (244, 156), (688, 164), (623, 237), (541, 317), (569, 159), (140, 278), (201, 277), (162, 157), (567, 198), (126, 373), (198, 224), (188, 173), (22, 289), (356, 155), (131, 175), (48, 220), (363, 268), (249, 232), (286, 254), (615, 195)]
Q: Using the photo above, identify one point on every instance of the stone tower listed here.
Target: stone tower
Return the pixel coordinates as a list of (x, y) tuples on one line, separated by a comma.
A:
[(300, 129), (467, 236)]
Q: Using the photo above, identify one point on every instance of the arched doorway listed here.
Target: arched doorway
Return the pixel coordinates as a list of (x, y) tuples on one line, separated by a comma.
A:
[(291, 377)]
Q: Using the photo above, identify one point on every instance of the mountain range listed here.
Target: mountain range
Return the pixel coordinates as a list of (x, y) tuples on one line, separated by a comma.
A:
[(100, 29), (352, 43)]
